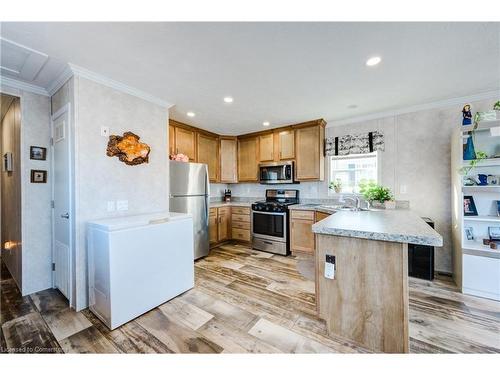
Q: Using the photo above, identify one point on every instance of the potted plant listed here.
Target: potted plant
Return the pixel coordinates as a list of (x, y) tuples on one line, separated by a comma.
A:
[(336, 185), (480, 156), (492, 115), (378, 195)]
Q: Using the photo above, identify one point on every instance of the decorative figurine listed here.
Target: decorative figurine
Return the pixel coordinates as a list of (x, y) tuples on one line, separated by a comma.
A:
[(467, 115)]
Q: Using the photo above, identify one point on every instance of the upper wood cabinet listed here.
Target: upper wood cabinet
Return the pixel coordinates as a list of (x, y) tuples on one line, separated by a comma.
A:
[(185, 143), (286, 144), (266, 147), (309, 148), (171, 139), (207, 152), (248, 159), (228, 160)]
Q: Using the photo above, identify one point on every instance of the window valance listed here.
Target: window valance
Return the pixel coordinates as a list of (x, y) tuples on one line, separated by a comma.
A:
[(355, 144)]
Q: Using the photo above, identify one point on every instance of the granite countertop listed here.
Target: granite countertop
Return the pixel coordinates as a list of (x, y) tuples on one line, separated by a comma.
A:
[(230, 204), (381, 225)]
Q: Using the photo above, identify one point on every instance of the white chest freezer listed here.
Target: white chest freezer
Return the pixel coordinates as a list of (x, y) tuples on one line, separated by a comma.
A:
[(137, 263)]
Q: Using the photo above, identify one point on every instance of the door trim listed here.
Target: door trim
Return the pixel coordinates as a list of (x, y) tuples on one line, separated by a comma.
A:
[(64, 111)]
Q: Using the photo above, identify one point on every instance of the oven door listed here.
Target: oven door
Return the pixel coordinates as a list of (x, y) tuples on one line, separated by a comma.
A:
[(276, 173), (269, 225)]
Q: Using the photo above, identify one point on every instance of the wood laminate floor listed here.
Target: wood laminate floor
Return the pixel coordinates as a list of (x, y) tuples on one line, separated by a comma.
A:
[(244, 301)]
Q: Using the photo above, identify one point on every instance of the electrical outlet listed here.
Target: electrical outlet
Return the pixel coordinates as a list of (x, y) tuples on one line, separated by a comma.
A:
[(403, 189), (104, 131), (121, 205), (111, 206), (330, 267)]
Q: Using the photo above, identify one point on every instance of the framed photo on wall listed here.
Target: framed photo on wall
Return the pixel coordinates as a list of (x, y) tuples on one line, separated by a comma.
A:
[(469, 206), (38, 177), (38, 153)]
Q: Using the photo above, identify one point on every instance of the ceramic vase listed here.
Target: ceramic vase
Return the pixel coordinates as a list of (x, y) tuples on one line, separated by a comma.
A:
[(469, 151)]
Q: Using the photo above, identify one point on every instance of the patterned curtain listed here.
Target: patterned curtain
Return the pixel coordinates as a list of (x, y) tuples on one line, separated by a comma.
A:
[(355, 144)]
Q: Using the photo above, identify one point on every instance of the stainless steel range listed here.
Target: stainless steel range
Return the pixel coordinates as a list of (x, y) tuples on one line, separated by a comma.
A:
[(270, 225)]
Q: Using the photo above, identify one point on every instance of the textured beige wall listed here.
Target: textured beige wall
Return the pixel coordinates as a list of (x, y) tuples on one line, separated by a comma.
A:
[(36, 210), (11, 193), (100, 178)]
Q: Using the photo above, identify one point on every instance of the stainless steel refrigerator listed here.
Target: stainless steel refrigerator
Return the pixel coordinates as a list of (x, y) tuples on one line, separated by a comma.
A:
[(189, 193)]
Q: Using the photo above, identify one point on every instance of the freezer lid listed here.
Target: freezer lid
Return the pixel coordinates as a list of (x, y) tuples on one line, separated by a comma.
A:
[(134, 221), (188, 179)]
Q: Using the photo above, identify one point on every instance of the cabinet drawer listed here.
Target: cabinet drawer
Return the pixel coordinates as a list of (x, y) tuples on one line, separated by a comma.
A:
[(224, 210), (305, 215), (241, 210), (244, 218), (241, 225), (241, 234), (213, 212)]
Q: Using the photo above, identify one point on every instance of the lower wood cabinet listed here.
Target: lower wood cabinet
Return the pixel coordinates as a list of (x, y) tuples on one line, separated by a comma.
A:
[(219, 225), (224, 224), (302, 238), (301, 234), (240, 222)]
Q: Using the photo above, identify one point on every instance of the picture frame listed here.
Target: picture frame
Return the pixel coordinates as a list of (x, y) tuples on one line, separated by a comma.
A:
[(38, 153), (494, 233), (38, 177), (469, 206), (469, 233)]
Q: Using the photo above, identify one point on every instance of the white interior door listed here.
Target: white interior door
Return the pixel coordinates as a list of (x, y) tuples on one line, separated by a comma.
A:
[(61, 213)]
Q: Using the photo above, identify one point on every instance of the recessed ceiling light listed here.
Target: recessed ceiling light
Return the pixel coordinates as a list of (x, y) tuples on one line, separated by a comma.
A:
[(191, 114), (266, 123), (372, 61), (228, 99)]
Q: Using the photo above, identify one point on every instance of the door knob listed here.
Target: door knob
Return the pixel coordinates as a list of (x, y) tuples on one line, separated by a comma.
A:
[(65, 216)]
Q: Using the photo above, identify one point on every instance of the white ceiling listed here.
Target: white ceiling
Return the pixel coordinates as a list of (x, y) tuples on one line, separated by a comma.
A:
[(280, 72)]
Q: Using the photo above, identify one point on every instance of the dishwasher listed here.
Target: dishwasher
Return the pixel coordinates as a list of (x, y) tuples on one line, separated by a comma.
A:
[(137, 263)]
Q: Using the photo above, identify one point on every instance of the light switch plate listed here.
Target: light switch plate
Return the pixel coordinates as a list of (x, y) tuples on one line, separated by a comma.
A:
[(104, 131), (403, 189), (111, 206), (122, 205)]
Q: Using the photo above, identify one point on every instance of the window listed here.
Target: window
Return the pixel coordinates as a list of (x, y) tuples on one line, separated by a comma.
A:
[(352, 169)]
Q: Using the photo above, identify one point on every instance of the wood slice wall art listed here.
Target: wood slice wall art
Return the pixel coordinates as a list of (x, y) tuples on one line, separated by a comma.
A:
[(128, 149)]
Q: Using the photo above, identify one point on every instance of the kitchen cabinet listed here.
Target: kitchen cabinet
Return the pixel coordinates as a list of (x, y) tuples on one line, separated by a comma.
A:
[(301, 234), (219, 225), (248, 159), (240, 223), (185, 143), (224, 223), (310, 159), (228, 160), (286, 144), (171, 140), (212, 226), (321, 215), (266, 147), (207, 152)]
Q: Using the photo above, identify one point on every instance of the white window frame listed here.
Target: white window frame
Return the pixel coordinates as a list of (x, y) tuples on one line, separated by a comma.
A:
[(332, 192)]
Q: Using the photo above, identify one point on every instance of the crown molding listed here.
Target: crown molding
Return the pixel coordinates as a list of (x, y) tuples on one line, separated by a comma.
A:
[(57, 83), (494, 94), (82, 72), (20, 85)]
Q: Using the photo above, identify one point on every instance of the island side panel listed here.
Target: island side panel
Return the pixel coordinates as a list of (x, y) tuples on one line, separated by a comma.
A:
[(368, 300)]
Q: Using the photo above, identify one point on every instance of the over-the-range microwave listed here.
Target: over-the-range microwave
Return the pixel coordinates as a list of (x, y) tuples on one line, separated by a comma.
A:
[(277, 173)]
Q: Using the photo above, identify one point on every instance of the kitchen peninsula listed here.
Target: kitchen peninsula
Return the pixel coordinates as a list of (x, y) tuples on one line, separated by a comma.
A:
[(367, 299)]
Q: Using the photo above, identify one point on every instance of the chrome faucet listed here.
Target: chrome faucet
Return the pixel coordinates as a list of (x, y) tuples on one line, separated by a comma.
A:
[(357, 201)]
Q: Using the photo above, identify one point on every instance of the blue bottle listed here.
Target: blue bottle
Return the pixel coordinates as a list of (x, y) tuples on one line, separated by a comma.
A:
[(469, 151)]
